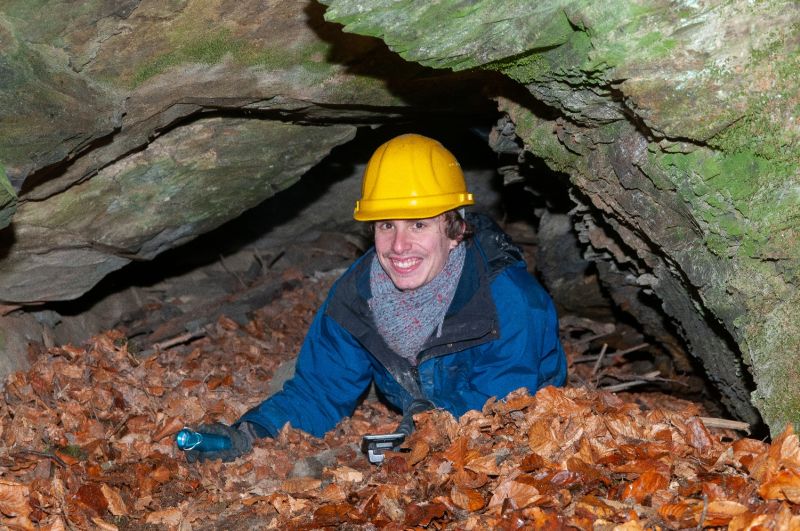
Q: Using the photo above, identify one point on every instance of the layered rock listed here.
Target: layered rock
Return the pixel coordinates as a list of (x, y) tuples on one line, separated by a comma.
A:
[(129, 127), (677, 122)]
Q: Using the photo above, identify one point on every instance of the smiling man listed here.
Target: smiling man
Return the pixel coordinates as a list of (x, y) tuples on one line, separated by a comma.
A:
[(441, 312)]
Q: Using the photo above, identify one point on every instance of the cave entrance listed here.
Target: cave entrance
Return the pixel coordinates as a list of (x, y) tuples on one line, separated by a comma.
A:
[(616, 337)]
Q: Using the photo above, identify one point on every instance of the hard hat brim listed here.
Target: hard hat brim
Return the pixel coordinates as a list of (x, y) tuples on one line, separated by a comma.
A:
[(410, 208)]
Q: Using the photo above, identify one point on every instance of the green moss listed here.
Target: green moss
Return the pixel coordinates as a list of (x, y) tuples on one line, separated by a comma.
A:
[(541, 141), (744, 202), (761, 130), (207, 50), (213, 48), (8, 199), (73, 450), (572, 54), (524, 68)]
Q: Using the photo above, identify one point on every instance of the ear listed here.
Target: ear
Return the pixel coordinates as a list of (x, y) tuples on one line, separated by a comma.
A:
[(454, 244)]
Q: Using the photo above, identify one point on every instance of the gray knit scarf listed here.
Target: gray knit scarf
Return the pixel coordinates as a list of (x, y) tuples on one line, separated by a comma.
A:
[(406, 319)]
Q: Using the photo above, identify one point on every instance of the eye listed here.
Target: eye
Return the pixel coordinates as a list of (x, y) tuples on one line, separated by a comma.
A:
[(384, 225), (420, 225)]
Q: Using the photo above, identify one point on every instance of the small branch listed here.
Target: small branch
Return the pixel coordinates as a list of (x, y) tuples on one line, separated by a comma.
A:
[(640, 346), (712, 422), (594, 357), (177, 340), (592, 337), (703, 513), (599, 359), (275, 259), (642, 379), (60, 462), (621, 387), (232, 273), (118, 427)]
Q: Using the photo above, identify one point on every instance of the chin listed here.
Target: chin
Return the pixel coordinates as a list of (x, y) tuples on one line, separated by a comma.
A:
[(407, 283)]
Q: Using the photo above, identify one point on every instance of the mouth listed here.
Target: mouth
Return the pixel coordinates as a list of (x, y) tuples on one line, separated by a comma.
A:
[(405, 265)]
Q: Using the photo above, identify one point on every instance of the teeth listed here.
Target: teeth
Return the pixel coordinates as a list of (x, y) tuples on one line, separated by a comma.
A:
[(405, 264)]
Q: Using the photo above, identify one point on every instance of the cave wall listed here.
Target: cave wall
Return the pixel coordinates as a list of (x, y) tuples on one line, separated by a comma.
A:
[(678, 124), (128, 127)]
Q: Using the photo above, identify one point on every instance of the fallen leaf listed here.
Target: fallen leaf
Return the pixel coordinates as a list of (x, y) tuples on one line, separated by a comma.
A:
[(333, 493), (217, 381), (698, 436), (645, 485), (171, 517), (459, 452), (720, 512), (487, 464), (346, 474), (467, 499), (116, 505), (419, 451), (595, 507), (103, 525), (302, 484), (519, 493), (422, 514), (169, 427), (785, 485), (91, 495), (685, 513), (14, 499), (469, 480), (334, 515), (289, 505)]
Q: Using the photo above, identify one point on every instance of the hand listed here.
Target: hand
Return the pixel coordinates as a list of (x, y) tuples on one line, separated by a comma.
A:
[(241, 442)]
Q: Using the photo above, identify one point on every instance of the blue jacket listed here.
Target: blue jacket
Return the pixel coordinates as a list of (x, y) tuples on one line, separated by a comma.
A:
[(500, 333)]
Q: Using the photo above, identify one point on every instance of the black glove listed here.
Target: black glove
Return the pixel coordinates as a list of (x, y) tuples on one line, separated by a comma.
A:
[(406, 426), (241, 436)]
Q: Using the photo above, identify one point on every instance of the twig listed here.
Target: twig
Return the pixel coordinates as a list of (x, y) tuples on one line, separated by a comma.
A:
[(593, 337), (594, 357), (703, 513), (275, 259), (119, 426), (599, 359), (260, 261), (623, 386), (643, 379), (713, 422), (177, 340), (232, 273), (640, 346), (60, 462)]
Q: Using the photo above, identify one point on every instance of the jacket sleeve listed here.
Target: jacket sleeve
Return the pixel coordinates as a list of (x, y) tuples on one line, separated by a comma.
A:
[(331, 374), (527, 353)]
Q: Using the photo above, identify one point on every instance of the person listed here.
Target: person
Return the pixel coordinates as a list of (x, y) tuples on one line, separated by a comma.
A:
[(440, 312)]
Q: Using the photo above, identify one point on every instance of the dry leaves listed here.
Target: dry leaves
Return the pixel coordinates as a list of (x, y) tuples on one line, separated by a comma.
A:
[(87, 443)]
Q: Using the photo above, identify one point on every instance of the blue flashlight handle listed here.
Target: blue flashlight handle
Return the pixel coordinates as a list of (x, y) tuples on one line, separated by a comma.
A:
[(187, 439)]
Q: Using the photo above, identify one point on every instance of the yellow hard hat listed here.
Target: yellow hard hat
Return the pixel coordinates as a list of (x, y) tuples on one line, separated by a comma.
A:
[(411, 177)]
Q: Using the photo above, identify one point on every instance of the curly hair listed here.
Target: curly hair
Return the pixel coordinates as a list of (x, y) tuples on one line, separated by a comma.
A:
[(456, 227)]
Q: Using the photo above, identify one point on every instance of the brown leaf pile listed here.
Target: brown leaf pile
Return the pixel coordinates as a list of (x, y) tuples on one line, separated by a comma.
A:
[(87, 443)]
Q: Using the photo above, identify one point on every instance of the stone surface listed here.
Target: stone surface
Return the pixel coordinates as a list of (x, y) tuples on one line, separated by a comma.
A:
[(128, 127), (186, 182), (678, 123)]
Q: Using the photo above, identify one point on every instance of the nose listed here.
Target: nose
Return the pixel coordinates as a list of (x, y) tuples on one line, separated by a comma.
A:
[(401, 242)]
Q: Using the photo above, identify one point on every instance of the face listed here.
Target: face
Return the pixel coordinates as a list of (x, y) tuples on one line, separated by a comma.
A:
[(412, 251)]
